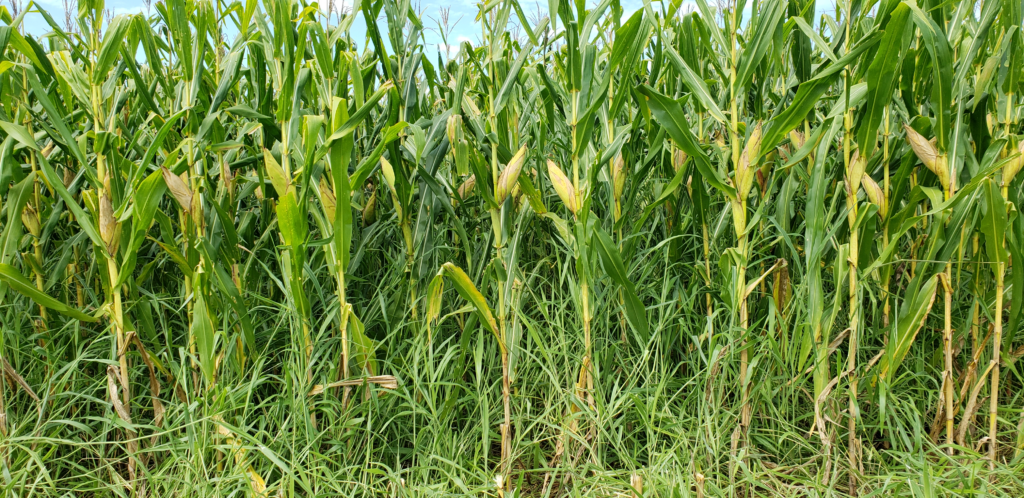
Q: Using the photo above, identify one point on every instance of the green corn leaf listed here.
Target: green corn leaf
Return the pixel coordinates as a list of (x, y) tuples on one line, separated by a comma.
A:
[(815, 37), (469, 292), (17, 197), (245, 111), (914, 312), (155, 145), (204, 335), (443, 199), (989, 11), (56, 119), (713, 27), (669, 114), (697, 86), (808, 95), (177, 257), (370, 163), (510, 79), (84, 220), (227, 79), (667, 192), (628, 40), (993, 224), (19, 133), (291, 220), (942, 73), (234, 298), (12, 277), (881, 77), (357, 117), (611, 260), (1015, 249), (769, 16), (146, 200), (30, 50), (113, 37)]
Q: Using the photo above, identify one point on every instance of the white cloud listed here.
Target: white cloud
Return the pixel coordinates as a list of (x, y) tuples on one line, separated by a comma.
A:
[(128, 10), (452, 51)]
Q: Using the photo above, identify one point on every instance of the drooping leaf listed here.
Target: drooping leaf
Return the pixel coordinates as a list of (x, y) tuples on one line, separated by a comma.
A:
[(669, 114), (611, 260), (914, 312), (12, 277), (469, 292)]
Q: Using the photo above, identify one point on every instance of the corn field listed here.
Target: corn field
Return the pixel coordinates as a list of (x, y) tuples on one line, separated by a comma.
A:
[(735, 248)]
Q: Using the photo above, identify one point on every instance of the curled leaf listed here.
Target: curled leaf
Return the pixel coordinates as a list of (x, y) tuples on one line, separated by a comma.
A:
[(678, 160), (797, 139), (278, 178), (389, 178), (11, 373), (389, 174), (468, 291), (434, 291), (328, 199)]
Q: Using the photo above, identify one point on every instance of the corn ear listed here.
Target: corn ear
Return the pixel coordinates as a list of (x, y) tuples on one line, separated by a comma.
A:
[(1013, 166), (510, 175), (30, 219), (744, 172), (929, 155), (563, 186), (178, 189), (855, 172), (369, 214), (619, 173), (875, 195), (467, 188)]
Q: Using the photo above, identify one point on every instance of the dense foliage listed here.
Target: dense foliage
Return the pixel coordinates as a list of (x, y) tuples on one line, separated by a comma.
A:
[(744, 249)]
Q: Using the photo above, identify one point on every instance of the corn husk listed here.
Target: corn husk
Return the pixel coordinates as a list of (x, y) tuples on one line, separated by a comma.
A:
[(510, 175), (619, 173), (744, 172), (563, 186), (875, 195)]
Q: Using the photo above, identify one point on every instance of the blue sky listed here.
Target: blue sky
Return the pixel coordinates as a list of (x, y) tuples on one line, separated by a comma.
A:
[(461, 14)]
